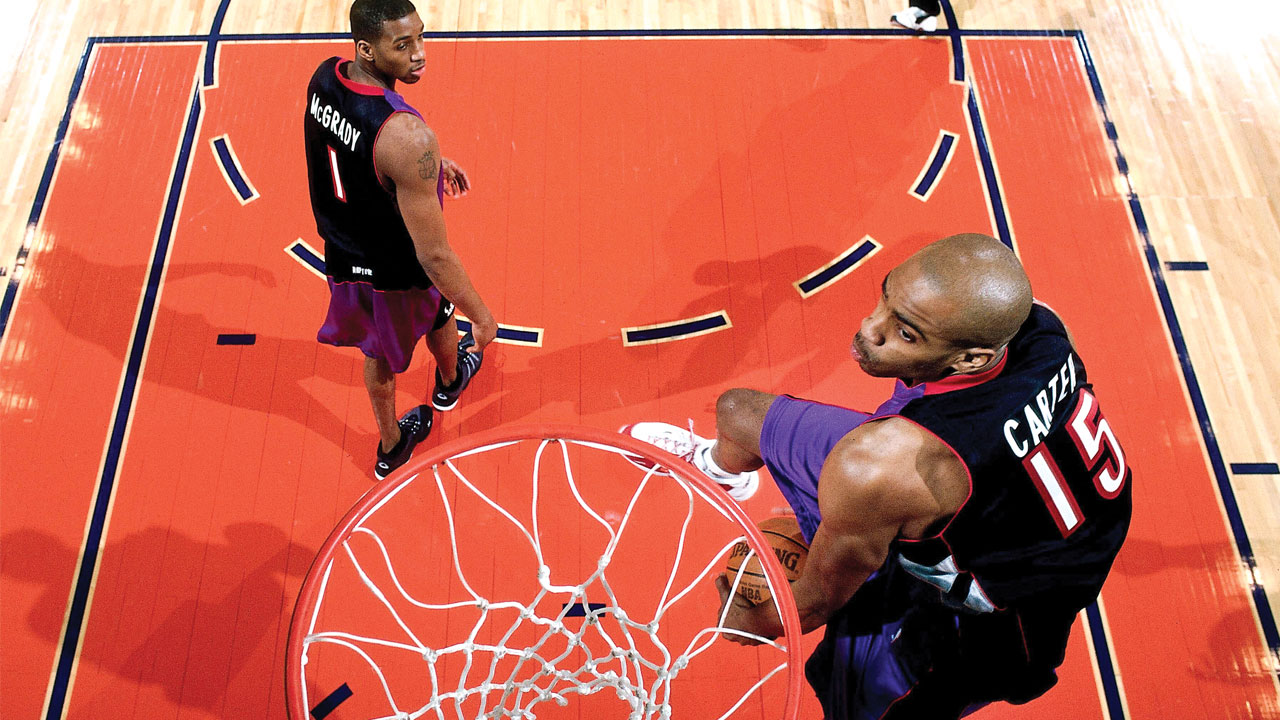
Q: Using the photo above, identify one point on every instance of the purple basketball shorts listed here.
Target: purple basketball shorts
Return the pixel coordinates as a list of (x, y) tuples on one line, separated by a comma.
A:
[(384, 324)]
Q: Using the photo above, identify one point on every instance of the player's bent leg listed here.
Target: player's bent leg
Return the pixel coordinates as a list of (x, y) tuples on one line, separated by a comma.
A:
[(740, 414)]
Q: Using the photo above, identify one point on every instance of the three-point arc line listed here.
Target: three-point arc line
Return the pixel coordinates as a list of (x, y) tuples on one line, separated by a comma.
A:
[(229, 164), (677, 330), (671, 331), (842, 265), (939, 159), (313, 260)]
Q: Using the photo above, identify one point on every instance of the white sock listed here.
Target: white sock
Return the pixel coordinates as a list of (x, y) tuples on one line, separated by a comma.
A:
[(705, 462)]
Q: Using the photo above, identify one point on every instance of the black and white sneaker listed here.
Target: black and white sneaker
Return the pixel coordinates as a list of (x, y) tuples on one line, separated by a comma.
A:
[(446, 397), (415, 426)]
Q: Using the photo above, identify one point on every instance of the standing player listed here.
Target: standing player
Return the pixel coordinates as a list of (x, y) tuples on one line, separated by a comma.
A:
[(377, 190), (958, 530)]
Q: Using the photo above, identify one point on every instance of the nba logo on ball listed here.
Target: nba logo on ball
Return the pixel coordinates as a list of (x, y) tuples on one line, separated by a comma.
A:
[(784, 536)]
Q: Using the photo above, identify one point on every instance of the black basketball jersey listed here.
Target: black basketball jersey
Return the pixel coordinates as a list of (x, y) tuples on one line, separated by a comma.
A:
[(365, 239), (1049, 501)]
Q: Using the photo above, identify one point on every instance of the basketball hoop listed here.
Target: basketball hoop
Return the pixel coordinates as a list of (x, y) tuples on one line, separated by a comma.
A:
[(536, 573)]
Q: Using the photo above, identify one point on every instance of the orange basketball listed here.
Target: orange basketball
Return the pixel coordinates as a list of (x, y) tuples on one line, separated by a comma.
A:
[(783, 535)]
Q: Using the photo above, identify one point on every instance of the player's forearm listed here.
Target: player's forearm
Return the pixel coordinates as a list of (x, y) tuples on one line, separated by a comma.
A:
[(444, 267), (817, 599)]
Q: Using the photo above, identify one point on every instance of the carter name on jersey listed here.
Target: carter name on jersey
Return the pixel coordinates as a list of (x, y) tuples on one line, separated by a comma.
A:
[(1026, 429)]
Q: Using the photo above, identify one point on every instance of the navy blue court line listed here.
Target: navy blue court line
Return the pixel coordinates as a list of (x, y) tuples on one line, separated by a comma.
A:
[(1255, 468), (1230, 505), (211, 52), (957, 43), (936, 164), (675, 330), (42, 191), (580, 609), (989, 171), (120, 421), (1102, 649), (331, 703), (304, 254), (524, 337), (228, 162), (234, 339), (1180, 265), (846, 261), (499, 34)]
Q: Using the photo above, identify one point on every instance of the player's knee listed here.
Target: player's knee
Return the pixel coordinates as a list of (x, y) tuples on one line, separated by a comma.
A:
[(740, 412)]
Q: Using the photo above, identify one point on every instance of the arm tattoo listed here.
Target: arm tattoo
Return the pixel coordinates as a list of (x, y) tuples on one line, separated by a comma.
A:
[(428, 166)]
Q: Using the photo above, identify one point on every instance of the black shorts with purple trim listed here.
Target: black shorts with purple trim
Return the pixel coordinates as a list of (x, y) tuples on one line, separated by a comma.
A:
[(384, 324)]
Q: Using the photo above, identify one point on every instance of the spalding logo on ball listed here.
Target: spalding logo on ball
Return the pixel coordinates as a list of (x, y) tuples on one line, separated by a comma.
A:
[(783, 535)]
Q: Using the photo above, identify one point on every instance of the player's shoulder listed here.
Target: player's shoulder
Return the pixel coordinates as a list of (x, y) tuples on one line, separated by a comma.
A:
[(895, 464), (407, 130), (884, 449)]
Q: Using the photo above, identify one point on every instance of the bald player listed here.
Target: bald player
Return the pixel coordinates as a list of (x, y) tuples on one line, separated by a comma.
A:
[(957, 530)]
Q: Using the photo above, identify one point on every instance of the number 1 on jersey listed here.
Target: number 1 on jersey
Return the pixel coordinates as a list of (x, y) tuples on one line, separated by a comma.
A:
[(338, 190)]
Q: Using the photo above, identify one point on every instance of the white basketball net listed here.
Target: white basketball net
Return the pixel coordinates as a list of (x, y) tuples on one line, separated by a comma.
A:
[(640, 678)]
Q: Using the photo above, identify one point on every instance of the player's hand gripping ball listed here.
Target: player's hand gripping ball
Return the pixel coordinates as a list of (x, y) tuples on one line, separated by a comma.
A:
[(783, 535)]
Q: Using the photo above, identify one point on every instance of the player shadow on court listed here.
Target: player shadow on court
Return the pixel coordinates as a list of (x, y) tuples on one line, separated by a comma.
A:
[(753, 289), (297, 378), (1216, 653), (205, 621)]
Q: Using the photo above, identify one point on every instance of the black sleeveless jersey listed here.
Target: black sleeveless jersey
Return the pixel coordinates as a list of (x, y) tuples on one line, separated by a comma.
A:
[(365, 239), (1049, 501)]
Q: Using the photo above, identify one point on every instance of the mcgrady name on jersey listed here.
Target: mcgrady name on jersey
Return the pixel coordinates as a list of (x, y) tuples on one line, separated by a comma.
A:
[(333, 121)]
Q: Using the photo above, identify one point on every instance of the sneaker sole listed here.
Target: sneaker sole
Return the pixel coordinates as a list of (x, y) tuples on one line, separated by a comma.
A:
[(422, 435), (443, 408)]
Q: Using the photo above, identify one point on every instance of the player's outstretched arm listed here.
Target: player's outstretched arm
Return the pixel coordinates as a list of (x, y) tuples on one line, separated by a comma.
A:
[(408, 155), (885, 479)]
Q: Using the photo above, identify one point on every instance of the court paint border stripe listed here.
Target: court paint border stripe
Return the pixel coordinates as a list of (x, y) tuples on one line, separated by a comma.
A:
[(845, 263), (1100, 641), (231, 170), (77, 615), (994, 195), (211, 52), (1262, 606), (1184, 265), (676, 330), (42, 194), (943, 150), (957, 42), (1105, 666)]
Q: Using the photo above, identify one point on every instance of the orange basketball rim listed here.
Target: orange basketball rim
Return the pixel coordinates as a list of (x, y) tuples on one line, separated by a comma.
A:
[(537, 572)]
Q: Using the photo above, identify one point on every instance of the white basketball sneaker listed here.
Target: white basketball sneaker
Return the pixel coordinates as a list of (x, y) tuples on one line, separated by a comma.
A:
[(909, 18), (913, 18), (693, 448)]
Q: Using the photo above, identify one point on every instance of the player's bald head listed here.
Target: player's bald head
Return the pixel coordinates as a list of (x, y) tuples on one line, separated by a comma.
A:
[(983, 282)]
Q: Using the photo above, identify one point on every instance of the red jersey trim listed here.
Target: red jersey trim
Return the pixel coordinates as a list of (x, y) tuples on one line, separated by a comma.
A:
[(352, 85), (959, 382)]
